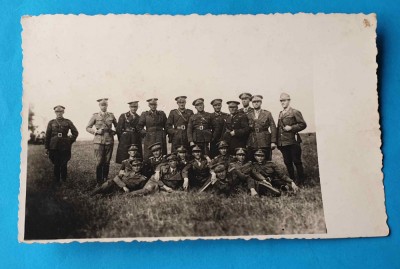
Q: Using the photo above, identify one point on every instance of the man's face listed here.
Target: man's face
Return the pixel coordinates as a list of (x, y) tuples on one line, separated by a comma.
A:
[(136, 168), (133, 108), (153, 106), (200, 107), (59, 113), (197, 154), (217, 107), (233, 109), (240, 157), (182, 155), (157, 153), (285, 103), (245, 101), (259, 158), (256, 104), (172, 163), (132, 153), (103, 107), (221, 175), (223, 151), (182, 105)]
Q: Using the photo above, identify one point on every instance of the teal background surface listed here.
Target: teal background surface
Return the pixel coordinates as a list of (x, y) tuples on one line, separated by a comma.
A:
[(333, 253)]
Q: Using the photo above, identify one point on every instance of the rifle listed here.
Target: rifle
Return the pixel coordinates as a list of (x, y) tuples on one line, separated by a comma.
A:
[(208, 182)]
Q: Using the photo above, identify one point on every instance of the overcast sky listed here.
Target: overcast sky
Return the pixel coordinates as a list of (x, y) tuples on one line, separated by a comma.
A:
[(74, 60)]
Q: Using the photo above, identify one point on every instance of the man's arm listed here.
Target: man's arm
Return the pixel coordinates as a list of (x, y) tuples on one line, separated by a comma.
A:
[(300, 122), (190, 129), (48, 136), (272, 126), (120, 125), (89, 127), (245, 129), (74, 131), (169, 124)]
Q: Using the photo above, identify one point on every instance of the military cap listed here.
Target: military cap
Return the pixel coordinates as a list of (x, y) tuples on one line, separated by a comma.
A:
[(233, 103), (196, 149), (172, 157), (136, 161), (198, 101), (218, 167), (245, 95), (222, 144), (59, 107), (259, 152), (216, 101), (133, 147), (152, 100), (256, 98), (180, 98), (240, 151), (181, 149), (284, 96), (102, 100), (155, 146), (133, 103)]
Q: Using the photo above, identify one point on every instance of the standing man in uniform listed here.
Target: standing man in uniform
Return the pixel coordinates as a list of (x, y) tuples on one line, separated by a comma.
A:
[(245, 97), (236, 128), (177, 123), (128, 132), (199, 130), (262, 129), (58, 143), (290, 123), (154, 121), (218, 118), (103, 139)]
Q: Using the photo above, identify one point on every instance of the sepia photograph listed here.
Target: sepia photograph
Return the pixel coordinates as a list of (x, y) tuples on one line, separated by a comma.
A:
[(139, 127)]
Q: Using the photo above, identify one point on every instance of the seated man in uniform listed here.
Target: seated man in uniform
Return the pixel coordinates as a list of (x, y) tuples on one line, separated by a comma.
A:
[(128, 179), (223, 154), (151, 165), (228, 182), (170, 174), (183, 157), (267, 173), (239, 162), (198, 170)]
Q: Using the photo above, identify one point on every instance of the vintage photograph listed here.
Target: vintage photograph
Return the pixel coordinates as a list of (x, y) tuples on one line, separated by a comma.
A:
[(150, 127)]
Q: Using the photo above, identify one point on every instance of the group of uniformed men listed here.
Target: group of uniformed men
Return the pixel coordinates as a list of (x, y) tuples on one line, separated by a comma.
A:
[(218, 152)]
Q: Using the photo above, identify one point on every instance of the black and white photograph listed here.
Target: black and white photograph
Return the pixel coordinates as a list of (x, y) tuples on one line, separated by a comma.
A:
[(139, 127)]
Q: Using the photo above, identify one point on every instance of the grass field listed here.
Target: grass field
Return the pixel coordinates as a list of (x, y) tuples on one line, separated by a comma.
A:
[(69, 212)]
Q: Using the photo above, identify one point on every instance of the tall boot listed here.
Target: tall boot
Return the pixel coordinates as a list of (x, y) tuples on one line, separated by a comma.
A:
[(300, 173), (57, 171), (99, 174), (106, 170)]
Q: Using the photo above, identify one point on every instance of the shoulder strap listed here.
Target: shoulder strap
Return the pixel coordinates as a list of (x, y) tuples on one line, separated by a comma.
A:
[(180, 114)]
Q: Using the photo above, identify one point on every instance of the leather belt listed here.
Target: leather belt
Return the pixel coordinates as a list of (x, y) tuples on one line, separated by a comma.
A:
[(201, 127), (259, 130), (60, 135), (154, 129), (181, 127)]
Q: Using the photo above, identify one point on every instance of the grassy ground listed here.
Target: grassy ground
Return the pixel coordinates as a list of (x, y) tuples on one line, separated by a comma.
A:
[(69, 211)]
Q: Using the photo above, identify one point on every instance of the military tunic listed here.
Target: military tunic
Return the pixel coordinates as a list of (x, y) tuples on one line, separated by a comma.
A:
[(218, 120), (152, 164), (246, 110), (271, 172), (128, 133), (226, 159), (289, 141), (240, 124), (154, 123), (231, 184), (197, 171), (103, 141), (199, 130), (171, 177), (176, 126), (262, 132), (59, 145)]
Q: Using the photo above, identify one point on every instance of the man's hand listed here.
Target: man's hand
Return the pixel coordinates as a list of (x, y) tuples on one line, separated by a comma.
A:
[(213, 178), (192, 144), (253, 192), (167, 189), (295, 188), (47, 152), (99, 131), (125, 189), (121, 173), (185, 183), (208, 159), (273, 146), (232, 133), (287, 128), (157, 175)]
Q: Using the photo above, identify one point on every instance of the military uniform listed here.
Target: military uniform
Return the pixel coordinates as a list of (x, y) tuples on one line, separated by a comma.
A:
[(128, 133), (171, 177), (270, 172), (218, 121), (103, 141), (240, 124), (200, 130), (59, 145), (288, 142), (197, 171), (262, 132), (154, 122), (246, 110), (176, 125)]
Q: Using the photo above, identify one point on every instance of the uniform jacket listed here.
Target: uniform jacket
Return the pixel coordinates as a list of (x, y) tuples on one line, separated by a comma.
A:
[(249, 109), (244, 168), (102, 122), (171, 179), (154, 122), (240, 124), (152, 164), (294, 119), (128, 133), (218, 120), (183, 163), (269, 171), (232, 183), (133, 181), (197, 172), (262, 130), (227, 159), (200, 128), (57, 134), (176, 125)]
